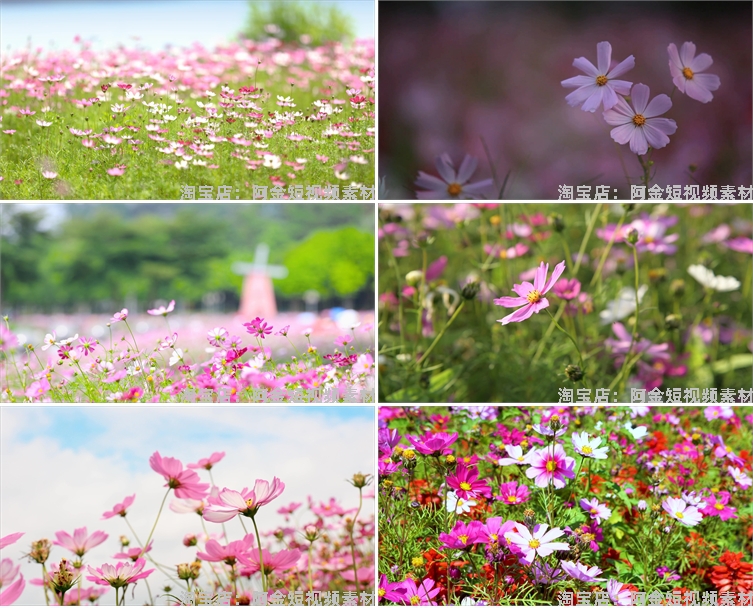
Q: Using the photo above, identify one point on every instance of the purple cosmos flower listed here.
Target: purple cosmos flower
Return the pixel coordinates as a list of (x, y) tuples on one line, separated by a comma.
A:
[(539, 543), (722, 450), (652, 236), (463, 535), (162, 310), (639, 125), (513, 494), (740, 477), (667, 574), (596, 509), (551, 465), (599, 85), (621, 346), (530, 297), (685, 67), (466, 483), (719, 506), (742, 244), (682, 512), (591, 534), (433, 443), (618, 595), (581, 572), (452, 185), (392, 592), (87, 345)]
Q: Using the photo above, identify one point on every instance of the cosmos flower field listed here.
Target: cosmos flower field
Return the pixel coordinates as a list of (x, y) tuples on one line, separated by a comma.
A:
[(485, 505), (504, 302), (136, 124), (331, 553)]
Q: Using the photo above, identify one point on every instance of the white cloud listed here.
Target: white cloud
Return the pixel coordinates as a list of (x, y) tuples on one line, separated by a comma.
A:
[(62, 467)]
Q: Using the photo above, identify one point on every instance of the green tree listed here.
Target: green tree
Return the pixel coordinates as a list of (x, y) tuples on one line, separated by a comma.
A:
[(312, 22), (333, 262)]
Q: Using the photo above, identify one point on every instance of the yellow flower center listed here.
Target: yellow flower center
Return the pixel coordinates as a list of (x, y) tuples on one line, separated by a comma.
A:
[(454, 189), (519, 459), (494, 537), (588, 537), (465, 486), (551, 466), (533, 296), (463, 538), (409, 454), (512, 499), (503, 254), (586, 449), (250, 503), (534, 544), (415, 600), (639, 120), (688, 73), (382, 592), (719, 506), (678, 515), (594, 510), (601, 80)]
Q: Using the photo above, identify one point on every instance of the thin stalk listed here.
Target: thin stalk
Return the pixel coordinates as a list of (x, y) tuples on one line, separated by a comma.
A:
[(352, 537), (440, 334), (626, 368), (261, 556), (143, 548)]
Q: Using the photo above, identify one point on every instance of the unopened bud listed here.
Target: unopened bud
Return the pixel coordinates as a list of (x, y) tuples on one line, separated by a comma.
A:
[(677, 287), (574, 373), (189, 540), (470, 290), (184, 571), (556, 221), (672, 321), (632, 235), (360, 480), (40, 550), (414, 277), (124, 542), (311, 532)]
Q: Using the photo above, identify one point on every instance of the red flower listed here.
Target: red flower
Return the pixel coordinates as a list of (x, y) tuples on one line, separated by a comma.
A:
[(734, 575)]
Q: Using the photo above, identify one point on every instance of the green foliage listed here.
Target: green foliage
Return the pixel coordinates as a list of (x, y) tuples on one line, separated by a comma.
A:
[(310, 22), (332, 262)]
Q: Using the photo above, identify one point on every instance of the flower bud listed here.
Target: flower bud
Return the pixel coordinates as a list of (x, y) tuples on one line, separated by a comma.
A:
[(657, 275), (628, 207), (40, 550), (360, 480), (632, 235), (311, 532), (574, 373), (414, 277), (556, 221), (677, 287), (672, 321), (184, 571), (124, 542), (62, 580), (470, 290), (189, 540)]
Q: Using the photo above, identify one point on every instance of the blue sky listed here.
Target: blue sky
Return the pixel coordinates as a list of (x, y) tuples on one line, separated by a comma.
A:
[(155, 22), (61, 467)]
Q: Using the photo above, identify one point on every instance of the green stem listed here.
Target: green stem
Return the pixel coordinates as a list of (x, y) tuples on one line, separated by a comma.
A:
[(440, 334), (352, 537), (625, 371), (597, 275), (261, 556), (143, 549), (580, 356)]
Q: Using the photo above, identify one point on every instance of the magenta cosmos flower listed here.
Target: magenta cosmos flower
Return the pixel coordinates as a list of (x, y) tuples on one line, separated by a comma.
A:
[(685, 67), (119, 316), (719, 506), (230, 503), (162, 310), (230, 553), (208, 463), (392, 592), (599, 85), (551, 465), (567, 289), (452, 185), (420, 594), (463, 535), (80, 542), (120, 508), (530, 297), (434, 443), (124, 573), (466, 483), (512, 494), (597, 510), (539, 543), (185, 483), (682, 512), (639, 125)]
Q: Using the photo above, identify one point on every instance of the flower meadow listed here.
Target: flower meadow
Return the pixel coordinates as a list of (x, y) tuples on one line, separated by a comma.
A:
[(603, 99), (224, 367), (332, 552), (136, 124), (498, 302), (485, 505)]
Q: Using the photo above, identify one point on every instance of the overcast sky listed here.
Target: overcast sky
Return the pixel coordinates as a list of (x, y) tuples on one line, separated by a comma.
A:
[(62, 467)]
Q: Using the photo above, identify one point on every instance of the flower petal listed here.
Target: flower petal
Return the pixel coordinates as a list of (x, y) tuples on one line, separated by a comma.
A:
[(659, 105), (639, 96), (622, 67), (586, 66), (467, 167), (687, 52), (701, 63), (603, 57)]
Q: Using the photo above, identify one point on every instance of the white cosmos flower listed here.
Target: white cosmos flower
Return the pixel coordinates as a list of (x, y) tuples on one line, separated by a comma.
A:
[(623, 306), (708, 279), (458, 505), (49, 340), (636, 432), (176, 356), (589, 447)]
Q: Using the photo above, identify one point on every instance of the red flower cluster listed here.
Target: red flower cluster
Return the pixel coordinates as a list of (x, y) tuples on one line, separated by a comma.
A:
[(734, 575)]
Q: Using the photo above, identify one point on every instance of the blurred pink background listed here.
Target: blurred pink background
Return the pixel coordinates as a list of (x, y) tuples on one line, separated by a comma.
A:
[(452, 72)]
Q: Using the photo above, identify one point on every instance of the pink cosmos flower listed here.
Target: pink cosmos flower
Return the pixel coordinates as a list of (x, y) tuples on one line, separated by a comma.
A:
[(498, 251), (37, 389), (719, 506), (598, 86), (7, 572), (87, 345), (49, 174), (466, 483), (10, 594), (162, 310), (80, 542), (740, 477), (639, 125), (513, 494), (185, 483), (433, 443), (208, 463), (230, 503), (119, 316), (743, 244), (581, 572), (530, 297), (567, 289), (282, 560), (117, 170), (258, 327), (420, 594), (621, 346), (120, 508), (231, 553), (619, 594), (392, 592), (463, 535), (682, 512), (452, 185), (124, 573), (133, 553), (10, 539), (551, 465), (685, 67), (539, 543), (596, 509), (652, 235)]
